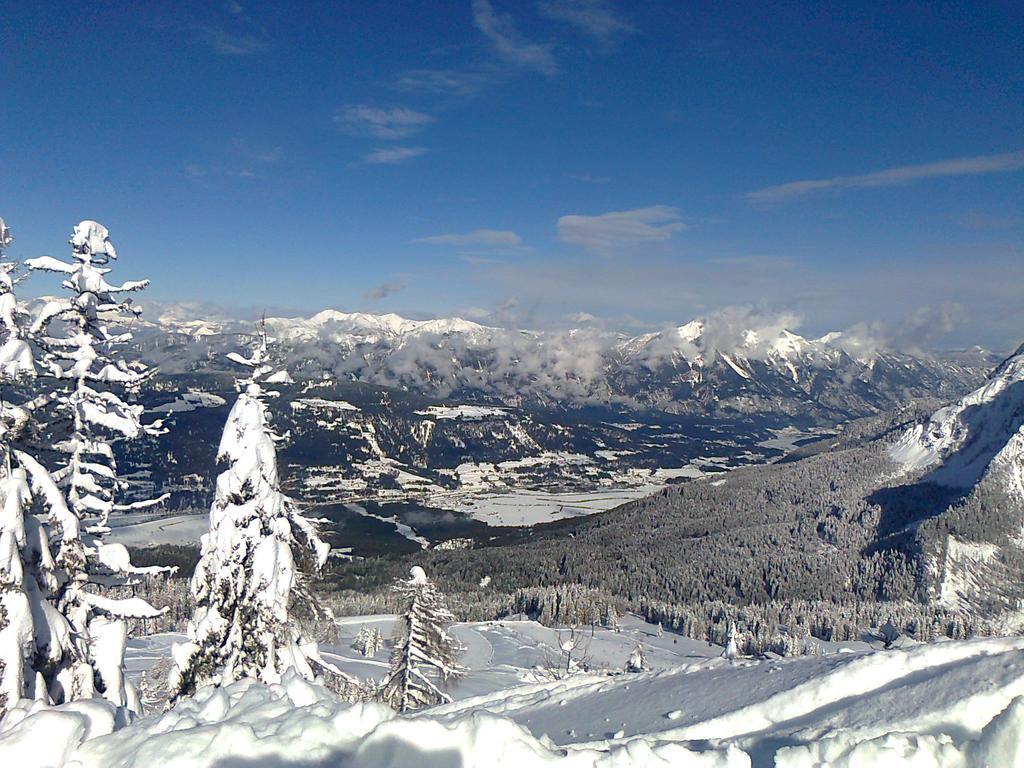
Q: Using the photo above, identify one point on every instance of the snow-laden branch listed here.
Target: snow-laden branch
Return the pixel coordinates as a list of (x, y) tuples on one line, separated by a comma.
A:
[(50, 264), (142, 504), (118, 560), (42, 482), (124, 608)]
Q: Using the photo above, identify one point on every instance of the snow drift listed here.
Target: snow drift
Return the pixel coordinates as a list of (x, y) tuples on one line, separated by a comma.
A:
[(954, 704)]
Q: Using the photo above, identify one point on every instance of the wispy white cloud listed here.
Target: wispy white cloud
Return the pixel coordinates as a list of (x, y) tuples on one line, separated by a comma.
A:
[(441, 81), (507, 41), (479, 237), (918, 329), (380, 123), (960, 166), (234, 32), (611, 230), (481, 246), (393, 155), (243, 159), (594, 18)]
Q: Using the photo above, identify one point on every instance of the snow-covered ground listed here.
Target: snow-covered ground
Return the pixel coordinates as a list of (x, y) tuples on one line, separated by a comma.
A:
[(523, 508), (951, 704), (190, 401), (468, 412), (149, 531)]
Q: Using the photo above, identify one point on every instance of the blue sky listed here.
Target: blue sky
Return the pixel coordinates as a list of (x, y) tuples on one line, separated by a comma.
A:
[(535, 162)]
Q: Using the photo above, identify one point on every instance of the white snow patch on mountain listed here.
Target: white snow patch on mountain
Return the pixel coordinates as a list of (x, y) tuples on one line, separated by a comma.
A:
[(190, 401), (306, 403), (369, 326), (959, 442), (466, 412)]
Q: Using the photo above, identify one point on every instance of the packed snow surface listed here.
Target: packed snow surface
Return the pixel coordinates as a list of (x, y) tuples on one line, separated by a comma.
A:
[(151, 530), (950, 704)]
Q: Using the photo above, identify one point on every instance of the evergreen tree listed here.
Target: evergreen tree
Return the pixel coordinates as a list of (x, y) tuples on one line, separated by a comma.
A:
[(86, 413), (425, 656), (26, 564), (368, 641), (889, 633), (610, 618), (249, 582), (361, 641), (732, 649)]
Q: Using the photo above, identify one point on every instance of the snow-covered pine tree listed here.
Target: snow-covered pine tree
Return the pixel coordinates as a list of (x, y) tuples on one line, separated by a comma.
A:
[(889, 633), (732, 650), (87, 412), (425, 656), (610, 618), (26, 564), (32, 632), (376, 641), (361, 642), (249, 580), (637, 662), (16, 356), (368, 641)]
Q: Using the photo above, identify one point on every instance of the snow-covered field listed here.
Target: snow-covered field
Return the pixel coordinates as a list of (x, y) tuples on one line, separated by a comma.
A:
[(469, 412), (951, 704), (525, 508), (147, 531)]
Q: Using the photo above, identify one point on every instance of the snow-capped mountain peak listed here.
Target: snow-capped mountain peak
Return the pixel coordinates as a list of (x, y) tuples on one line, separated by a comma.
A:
[(367, 326), (691, 331)]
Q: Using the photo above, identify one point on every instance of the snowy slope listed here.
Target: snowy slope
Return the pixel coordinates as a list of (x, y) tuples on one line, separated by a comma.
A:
[(959, 442), (953, 704)]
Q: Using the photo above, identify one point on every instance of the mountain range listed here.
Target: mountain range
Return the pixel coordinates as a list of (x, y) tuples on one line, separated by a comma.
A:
[(710, 367), (905, 503)]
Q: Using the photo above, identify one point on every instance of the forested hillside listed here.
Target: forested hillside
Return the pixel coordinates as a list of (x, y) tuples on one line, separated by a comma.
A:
[(845, 529)]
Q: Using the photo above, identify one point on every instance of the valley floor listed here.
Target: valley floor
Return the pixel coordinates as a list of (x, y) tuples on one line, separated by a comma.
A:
[(951, 704)]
